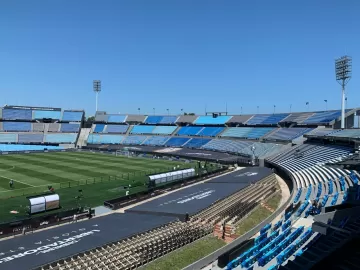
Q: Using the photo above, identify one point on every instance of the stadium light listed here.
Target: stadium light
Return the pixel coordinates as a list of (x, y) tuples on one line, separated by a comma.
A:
[(154, 111), (274, 108), (181, 111), (241, 109), (167, 111), (343, 68), (139, 111), (97, 90), (308, 105), (257, 109), (325, 104), (290, 107)]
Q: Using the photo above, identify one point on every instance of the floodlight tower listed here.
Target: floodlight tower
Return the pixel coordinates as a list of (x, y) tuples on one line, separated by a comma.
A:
[(97, 90), (343, 68)]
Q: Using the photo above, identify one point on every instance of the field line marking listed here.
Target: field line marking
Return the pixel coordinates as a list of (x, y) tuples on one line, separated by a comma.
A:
[(5, 170), (18, 181)]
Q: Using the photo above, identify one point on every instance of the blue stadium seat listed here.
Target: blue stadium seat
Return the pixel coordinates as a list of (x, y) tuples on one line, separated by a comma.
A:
[(142, 129), (104, 139), (209, 120), (16, 114), (99, 128), (210, 131), (8, 138), (176, 141), (153, 119), (40, 114), (287, 134), (72, 116), (133, 139), (166, 130), (273, 119), (16, 126), (155, 140), (61, 138), (323, 117), (258, 119), (69, 127), (196, 142), (30, 137), (189, 131), (257, 133), (116, 128), (236, 132), (168, 120)]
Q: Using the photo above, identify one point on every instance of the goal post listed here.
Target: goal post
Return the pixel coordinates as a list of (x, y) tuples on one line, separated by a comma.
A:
[(123, 152)]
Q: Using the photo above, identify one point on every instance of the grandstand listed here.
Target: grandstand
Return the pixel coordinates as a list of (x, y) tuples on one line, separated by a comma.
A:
[(36, 128), (300, 146)]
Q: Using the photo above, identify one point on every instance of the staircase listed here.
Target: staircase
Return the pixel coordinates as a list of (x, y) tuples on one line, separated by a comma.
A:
[(84, 134)]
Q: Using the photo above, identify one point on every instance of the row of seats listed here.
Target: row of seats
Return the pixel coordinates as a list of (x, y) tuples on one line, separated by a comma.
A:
[(270, 134), (135, 251), (246, 132), (233, 146), (321, 117), (39, 127), (38, 138), (166, 130), (32, 114)]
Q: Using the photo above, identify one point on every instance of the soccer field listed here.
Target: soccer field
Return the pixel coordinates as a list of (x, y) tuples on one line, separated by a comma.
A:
[(100, 176)]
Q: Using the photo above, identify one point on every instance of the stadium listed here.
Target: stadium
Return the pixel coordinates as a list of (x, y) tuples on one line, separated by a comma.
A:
[(236, 161), (147, 179)]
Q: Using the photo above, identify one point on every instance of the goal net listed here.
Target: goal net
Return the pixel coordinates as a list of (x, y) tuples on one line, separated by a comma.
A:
[(124, 152)]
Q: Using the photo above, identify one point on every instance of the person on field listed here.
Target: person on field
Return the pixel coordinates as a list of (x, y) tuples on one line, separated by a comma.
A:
[(11, 183)]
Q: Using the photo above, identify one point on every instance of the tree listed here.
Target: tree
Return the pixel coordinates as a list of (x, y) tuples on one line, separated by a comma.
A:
[(91, 119)]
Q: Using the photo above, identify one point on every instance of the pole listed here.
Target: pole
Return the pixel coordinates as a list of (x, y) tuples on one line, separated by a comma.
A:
[(343, 106), (97, 96), (290, 107)]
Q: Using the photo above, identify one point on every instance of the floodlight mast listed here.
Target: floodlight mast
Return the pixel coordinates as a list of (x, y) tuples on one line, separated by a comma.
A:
[(97, 90), (343, 69)]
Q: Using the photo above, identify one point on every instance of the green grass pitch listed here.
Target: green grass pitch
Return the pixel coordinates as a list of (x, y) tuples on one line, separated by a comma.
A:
[(100, 176)]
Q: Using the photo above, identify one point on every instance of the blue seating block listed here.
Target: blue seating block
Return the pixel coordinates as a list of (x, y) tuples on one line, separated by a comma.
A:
[(196, 142), (286, 225), (334, 199), (71, 116), (176, 142), (210, 131), (40, 114), (142, 129), (16, 114), (99, 128), (189, 131), (324, 200), (265, 229), (209, 120), (16, 126), (354, 178), (153, 119), (297, 196), (331, 186), (117, 128), (277, 225)]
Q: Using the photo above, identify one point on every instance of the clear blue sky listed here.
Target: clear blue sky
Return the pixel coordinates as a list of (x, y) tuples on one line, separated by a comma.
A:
[(177, 54)]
